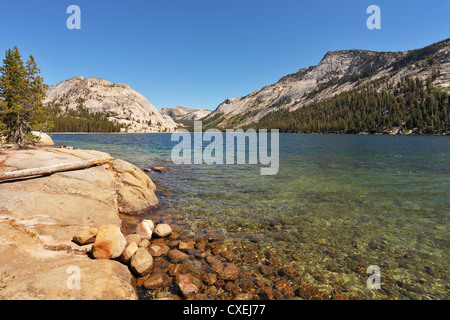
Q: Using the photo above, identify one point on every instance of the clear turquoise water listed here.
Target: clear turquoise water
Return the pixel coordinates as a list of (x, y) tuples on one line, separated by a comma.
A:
[(338, 204)]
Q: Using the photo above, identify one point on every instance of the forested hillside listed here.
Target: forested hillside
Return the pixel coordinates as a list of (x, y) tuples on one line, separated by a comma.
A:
[(411, 105), (79, 120)]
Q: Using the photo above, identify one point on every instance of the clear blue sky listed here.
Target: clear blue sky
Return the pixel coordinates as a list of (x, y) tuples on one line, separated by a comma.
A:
[(197, 53)]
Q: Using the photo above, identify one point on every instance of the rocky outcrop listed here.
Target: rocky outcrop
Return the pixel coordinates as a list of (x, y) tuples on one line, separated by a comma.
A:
[(185, 114), (338, 71), (39, 217), (44, 139), (135, 190), (117, 100)]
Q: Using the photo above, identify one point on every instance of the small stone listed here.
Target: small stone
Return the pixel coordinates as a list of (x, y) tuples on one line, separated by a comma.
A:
[(288, 272), (201, 254), (184, 282), (175, 269), (261, 283), (109, 242), (145, 229), (201, 244), (211, 259), (157, 250), (339, 296), (186, 245), (318, 276), (266, 270), (211, 291), (230, 272), (266, 294), (129, 251), (209, 278), (176, 255), (141, 263), (160, 169), (163, 230), (284, 288), (308, 292), (155, 281), (231, 287), (244, 296), (86, 236), (227, 255)]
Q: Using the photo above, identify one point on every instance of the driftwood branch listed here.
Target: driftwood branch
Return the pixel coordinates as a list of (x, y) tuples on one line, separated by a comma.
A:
[(76, 165)]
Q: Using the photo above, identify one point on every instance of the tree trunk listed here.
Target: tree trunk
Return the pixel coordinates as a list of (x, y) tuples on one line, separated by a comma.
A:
[(53, 169)]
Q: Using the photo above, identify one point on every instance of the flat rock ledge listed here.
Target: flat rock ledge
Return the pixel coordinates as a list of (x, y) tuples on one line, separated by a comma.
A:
[(40, 215)]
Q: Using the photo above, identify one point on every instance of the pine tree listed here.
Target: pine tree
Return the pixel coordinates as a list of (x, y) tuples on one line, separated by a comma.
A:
[(22, 90)]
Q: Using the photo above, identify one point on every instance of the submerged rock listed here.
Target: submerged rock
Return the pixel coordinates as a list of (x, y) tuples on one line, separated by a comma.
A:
[(229, 272), (184, 282), (157, 250), (176, 255), (160, 169), (156, 280)]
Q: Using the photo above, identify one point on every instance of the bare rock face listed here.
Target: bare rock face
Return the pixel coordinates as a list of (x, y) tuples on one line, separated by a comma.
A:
[(39, 217), (117, 100), (183, 113)]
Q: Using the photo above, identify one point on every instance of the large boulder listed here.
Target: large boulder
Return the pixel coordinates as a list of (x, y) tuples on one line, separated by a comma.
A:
[(135, 190), (45, 140), (109, 243)]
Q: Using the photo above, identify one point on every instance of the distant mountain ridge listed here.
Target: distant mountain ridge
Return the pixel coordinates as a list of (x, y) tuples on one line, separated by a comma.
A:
[(185, 114), (337, 72), (117, 100)]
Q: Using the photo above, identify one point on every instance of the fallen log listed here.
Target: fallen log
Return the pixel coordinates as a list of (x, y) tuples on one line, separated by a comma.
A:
[(43, 171)]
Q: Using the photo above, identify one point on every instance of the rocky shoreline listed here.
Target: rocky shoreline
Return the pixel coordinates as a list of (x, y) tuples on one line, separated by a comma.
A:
[(103, 222), (80, 220)]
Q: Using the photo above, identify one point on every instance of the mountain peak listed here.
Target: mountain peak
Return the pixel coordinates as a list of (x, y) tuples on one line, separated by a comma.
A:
[(121, 103), (337, 71)]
